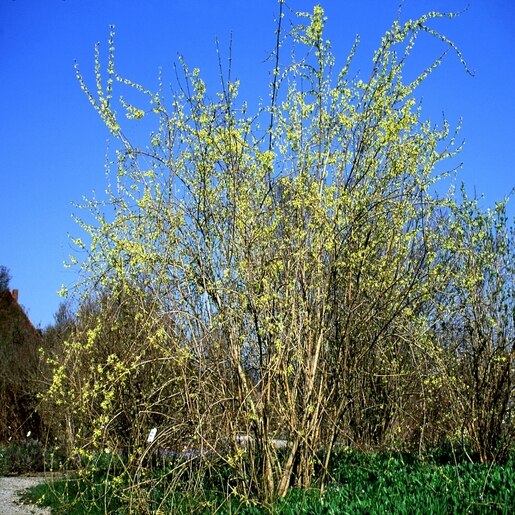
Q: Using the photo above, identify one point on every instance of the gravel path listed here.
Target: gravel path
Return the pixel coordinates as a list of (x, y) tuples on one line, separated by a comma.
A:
[(10, 488)]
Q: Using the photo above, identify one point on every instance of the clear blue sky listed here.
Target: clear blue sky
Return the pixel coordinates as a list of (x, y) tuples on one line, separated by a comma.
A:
[(52, 143)]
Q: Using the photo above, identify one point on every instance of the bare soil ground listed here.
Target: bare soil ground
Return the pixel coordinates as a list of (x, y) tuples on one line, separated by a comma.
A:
[(10, 488)]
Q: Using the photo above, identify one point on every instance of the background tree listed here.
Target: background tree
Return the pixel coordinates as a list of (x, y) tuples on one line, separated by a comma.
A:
[(477, 330), (5, 278)]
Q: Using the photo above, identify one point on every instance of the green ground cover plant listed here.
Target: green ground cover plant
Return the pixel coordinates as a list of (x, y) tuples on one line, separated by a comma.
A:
[(360, 483), (27, 456)]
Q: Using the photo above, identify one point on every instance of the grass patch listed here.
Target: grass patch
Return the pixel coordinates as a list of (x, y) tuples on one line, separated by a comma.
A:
[(361, 483), (74, 496)]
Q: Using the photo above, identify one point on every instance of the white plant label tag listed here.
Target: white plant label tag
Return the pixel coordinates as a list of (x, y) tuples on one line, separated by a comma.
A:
[(152, 435)]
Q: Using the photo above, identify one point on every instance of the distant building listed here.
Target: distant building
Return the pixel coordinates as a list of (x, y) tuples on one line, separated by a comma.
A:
[(19, 367)]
